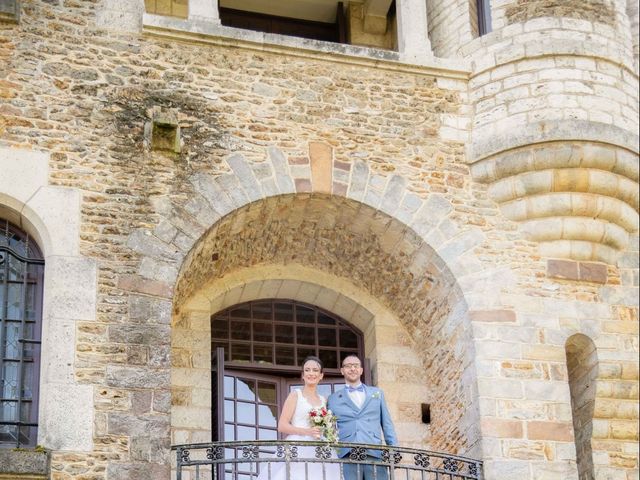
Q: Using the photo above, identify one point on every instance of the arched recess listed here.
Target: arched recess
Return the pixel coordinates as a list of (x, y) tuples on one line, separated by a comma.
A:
[(582, 366), (351, 260)]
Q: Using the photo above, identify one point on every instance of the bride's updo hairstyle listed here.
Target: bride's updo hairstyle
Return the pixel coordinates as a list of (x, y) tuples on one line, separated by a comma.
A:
[(312, 358)]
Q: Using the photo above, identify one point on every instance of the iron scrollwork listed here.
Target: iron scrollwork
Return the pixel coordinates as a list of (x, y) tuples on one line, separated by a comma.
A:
[(287, 451), (323, 452), (250, 452), (388, 457), (422, 460), (216, 453), (450, 465), (184, 455), (358, 454), (473, 469)]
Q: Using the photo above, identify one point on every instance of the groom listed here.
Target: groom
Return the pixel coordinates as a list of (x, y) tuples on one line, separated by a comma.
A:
[(362, 415)]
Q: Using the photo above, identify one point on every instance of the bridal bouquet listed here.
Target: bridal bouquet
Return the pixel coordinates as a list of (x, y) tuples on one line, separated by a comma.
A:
[(327, 421)]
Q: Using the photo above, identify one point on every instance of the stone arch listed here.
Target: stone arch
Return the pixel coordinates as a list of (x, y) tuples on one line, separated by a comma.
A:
[(583, 368), (339, 241), (209, 198)]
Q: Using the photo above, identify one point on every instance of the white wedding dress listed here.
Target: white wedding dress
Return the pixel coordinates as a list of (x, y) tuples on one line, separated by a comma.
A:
[(301, 470)]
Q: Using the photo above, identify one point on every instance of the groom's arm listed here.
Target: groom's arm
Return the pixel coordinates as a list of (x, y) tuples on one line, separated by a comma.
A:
[(387, 424)]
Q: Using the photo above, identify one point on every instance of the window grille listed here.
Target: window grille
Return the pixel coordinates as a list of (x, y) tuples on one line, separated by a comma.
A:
[(279, 334), (21, 280)]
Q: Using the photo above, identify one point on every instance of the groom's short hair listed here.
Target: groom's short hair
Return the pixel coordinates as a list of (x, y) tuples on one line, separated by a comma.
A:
[(352, 355)]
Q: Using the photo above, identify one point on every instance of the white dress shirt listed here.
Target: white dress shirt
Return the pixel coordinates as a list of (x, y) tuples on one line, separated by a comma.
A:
[(357, 397)]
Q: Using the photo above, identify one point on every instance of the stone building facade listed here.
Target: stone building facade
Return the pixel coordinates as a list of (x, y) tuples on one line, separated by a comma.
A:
[(468, 202)]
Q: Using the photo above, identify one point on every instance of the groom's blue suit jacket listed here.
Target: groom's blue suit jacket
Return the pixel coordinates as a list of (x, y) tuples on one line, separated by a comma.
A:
[(366, 425)]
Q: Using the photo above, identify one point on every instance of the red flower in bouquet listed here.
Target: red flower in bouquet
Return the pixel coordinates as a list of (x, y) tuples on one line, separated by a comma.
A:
[(327, 421)]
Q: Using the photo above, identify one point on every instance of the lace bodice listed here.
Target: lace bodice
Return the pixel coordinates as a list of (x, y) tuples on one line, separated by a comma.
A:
[(300, 417)]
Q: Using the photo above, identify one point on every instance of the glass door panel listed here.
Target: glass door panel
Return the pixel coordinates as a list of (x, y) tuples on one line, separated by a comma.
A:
[(251, 408)]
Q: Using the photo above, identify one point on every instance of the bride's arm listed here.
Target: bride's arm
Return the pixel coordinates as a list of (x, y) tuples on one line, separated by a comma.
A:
[(284, 424)]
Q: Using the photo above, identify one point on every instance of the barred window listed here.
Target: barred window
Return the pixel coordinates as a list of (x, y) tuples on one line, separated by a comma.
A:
[(21, 280)]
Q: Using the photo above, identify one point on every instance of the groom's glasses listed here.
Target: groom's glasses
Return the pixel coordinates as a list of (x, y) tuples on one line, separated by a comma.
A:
[(348, 366)]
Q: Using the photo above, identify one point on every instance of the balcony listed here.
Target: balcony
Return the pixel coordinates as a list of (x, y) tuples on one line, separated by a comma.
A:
[(244, 460), (371, 28)]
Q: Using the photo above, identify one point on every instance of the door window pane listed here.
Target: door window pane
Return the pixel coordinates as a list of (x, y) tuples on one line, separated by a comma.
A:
[(229, 411), (229, 390), (262, 332), (246, 412), (245, 389), (306, 335), (329, 358), (284, 334), (220, 329), (267, 392), (324, 390), (240, 330), (267, 434), (262, 310), (325, 319), (348, 339), (285, 356), (283, 312), (263, 354), (241, 353), (305, 315), (267, 416), (304, 353), (246, 433), (327, 337)]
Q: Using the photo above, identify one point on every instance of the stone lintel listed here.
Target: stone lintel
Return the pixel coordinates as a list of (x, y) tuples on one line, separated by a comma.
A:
[(593, 272), (551, 431), (138, 284), (578, 271), (24, 463), (564, 269), (493, 316)]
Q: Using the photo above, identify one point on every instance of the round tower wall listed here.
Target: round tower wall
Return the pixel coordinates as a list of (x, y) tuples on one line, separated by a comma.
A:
[(558, 82)]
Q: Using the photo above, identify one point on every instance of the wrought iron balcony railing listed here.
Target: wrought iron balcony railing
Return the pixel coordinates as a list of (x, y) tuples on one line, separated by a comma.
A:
[(296, 460)]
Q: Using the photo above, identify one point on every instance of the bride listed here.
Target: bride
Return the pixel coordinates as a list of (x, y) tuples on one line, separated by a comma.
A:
[(294, 422)]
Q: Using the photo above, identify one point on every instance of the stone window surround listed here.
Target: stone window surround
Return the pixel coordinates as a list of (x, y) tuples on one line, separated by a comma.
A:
[(51, 215), (204, 21)]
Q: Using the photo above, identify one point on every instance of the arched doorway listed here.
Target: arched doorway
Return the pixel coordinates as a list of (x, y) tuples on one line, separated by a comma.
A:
[(257, 348), (351, 260)]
